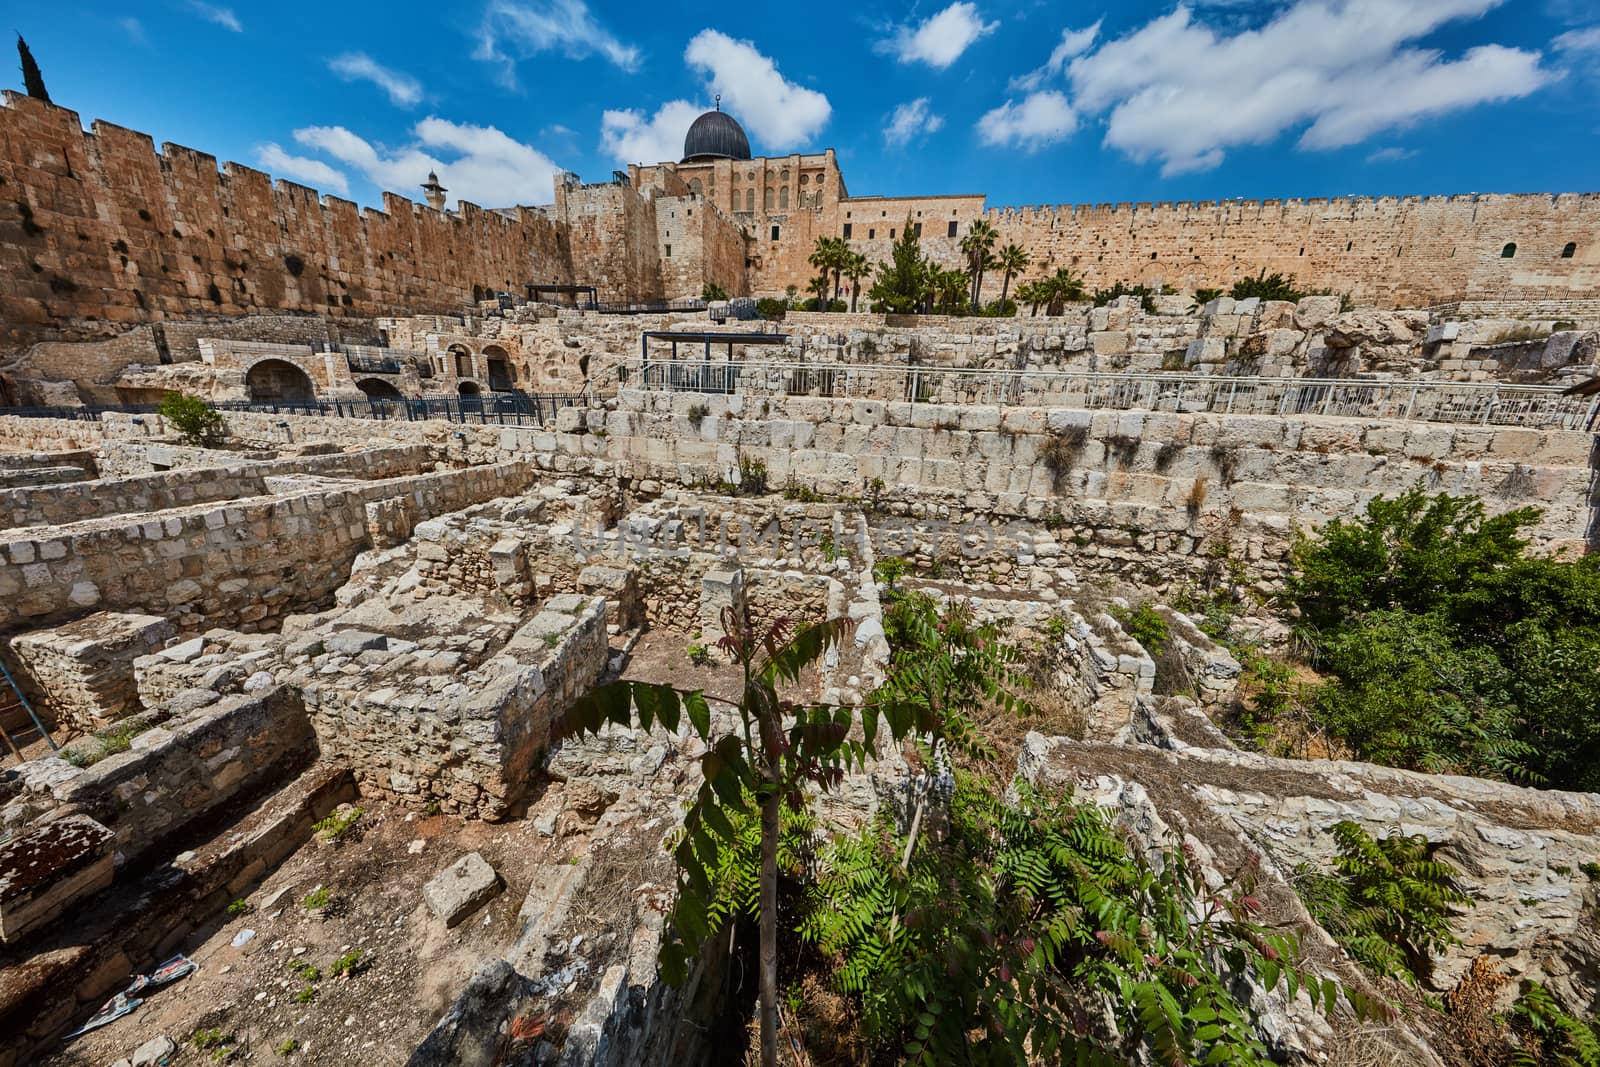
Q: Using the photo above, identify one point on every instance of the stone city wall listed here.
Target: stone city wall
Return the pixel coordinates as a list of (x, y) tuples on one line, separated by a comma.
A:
[(100, 230), (244, 564)]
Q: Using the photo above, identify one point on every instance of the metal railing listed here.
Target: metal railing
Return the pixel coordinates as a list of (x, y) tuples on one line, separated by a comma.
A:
[(1465, 403), (517, 409), (371, 365), (653, 307)]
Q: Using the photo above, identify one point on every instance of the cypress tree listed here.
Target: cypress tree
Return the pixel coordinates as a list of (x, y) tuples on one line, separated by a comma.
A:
[(32, 80)]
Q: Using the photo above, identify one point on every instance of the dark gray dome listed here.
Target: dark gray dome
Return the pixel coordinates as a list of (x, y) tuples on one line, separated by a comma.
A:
[(715, 135)]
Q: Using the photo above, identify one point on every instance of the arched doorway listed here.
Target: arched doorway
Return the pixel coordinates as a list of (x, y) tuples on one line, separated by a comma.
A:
[(277, 381), (461, 360), (378, 389), (502, 375), (468, 389)]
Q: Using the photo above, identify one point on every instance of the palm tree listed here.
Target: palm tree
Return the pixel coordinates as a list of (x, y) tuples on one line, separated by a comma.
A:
[(855, 267), (1033, 294), (1064, 288), (828, 255), (977, 246), (1013, 260), (819, 285)]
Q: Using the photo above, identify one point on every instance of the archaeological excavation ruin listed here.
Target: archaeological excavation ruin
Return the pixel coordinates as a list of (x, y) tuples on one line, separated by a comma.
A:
[(418, 704)]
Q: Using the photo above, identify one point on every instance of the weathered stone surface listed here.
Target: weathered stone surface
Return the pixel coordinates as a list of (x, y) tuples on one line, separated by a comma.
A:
[(461, 889)]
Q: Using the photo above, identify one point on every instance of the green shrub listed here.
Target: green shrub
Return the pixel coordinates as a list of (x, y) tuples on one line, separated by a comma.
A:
[(238, 908), (1059, 453), (697, 652), (752, 476), (1549, 1035), (317, 899), (351, 963), (1266, 286), (1145, 625), (339, 824), (288, 1047), (697, 414), (1450, 647), (771, 308), (1387, 902), (196, 421), (989, 944), (712, 291)]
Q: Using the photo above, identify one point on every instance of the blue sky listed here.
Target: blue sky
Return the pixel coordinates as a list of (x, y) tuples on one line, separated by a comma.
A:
[(1027, 101)]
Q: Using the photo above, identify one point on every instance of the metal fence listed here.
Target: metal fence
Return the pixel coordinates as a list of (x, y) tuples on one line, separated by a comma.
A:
[(519, 409), (1470, 403)]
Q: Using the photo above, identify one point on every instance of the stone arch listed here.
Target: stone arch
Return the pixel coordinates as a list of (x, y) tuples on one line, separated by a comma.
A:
[(468, 389), (460, 360), (783, 198), (1569, 250), (378, 389), (1509, 250), (749, 199), (767, 199), (277, 381), (501, 371), (695, 187)]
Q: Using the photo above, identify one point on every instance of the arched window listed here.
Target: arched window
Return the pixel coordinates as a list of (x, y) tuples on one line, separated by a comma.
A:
[(783, 198), (695, 187), (1509, 250), (766, 199), (1569, 250), (749, 199)]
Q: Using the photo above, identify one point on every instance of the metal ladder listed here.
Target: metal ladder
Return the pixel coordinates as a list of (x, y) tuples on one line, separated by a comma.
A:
[(12, 701)]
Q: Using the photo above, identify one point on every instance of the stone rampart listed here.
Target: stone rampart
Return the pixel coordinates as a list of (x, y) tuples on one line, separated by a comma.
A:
[(243, 564), (94, 221)]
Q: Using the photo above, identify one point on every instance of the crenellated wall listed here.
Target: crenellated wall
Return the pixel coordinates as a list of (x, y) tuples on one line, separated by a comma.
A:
[(99, 231)]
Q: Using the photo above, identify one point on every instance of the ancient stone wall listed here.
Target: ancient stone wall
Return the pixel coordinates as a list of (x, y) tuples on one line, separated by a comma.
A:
[(244, 564), (193, 484), (179, 771), (611, 233), (98, 230), (1392, 251)]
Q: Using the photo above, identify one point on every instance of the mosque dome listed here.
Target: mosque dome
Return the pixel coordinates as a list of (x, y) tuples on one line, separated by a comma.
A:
[(715, 135)]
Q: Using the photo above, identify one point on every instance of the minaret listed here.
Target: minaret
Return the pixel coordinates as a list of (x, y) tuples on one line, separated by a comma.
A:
[(434, 191)]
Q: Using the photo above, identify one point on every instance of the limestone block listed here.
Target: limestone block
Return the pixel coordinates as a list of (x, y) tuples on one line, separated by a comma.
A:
[(1315, 311), (1204, 350), (720, 589), (84, 670), (461, 889), (1109, 342), (48, 869)]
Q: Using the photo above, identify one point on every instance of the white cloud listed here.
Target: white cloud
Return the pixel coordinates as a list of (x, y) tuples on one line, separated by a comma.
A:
[(939, 39), (1043, 118), (512, 30), (222, 16), (1073, 43), (486, 167), (1182, 92), (1584, 40), (780, 113), (273, 159), (134, 29), (403, 89), (629, 137), (1391, 155), (910, 120)]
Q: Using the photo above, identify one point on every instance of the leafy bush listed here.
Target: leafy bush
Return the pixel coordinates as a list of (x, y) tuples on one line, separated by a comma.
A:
[(772, 308), (1032, 933), (1102, 297), (1548, 1035), (1451, 648), (1266, 286), (697, 414), (1145, 625), (712, 291), (196, 421), (752, 476), (317, 899), (1388, 902), (351, 963), (337, 825)]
